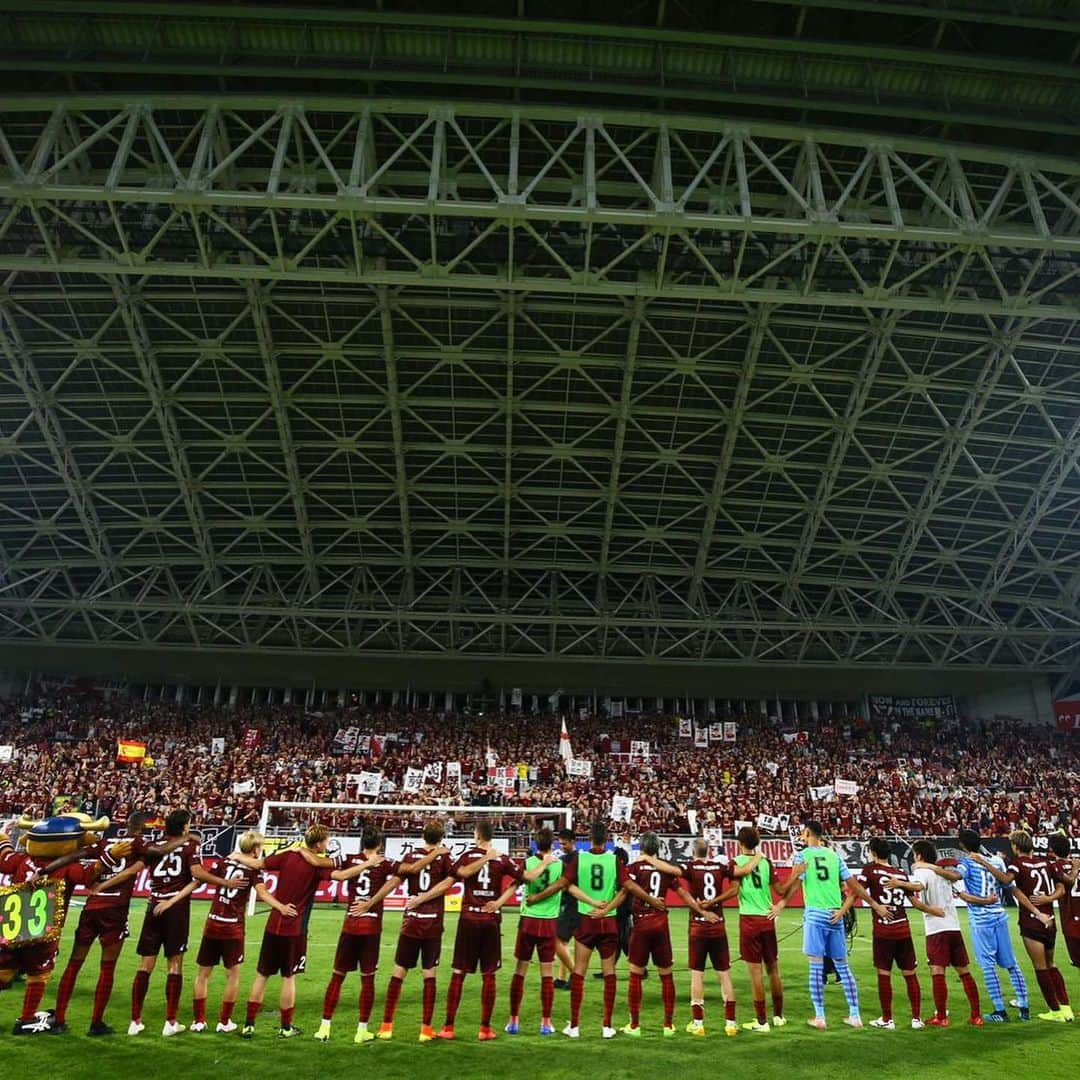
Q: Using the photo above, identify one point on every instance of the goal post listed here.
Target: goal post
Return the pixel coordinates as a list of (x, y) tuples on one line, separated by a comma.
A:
[(514, 831)]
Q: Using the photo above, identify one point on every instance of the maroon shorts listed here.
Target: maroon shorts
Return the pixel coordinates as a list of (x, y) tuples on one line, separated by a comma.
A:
[(38, 959), (599, 934), (899, 951), (757, 939), (1073, 945), (535, 934), (218, 950), (281, 954), (478, 945), (169, 931), (705, 949), (357, 951), (410, 950), (946, 948), (1045, 935), (110, 924), (653, 939)]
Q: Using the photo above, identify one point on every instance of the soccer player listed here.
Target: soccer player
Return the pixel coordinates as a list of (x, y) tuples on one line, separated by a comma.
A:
[(299, 872), (104, 918), (369, 879), (223, 934), (595, 883), (1030, 876), (478, 941), (892, 936), (537, 931), (1068, 874), (932, 894), (823, 919), (174, 876), (420, 939), (569, 918), (757, 929), (701, 888), (989, 924)]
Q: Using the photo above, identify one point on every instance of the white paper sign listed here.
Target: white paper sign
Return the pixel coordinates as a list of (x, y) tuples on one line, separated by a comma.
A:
[(686, 728), (820, 792), (846, 787), (639, 749), (7, 753), (701, 738), (730, 730), (453, 772), (414, 780), (244, 787), (622, 807), (579, 767), (369, 783), (766, 822), (217, 746)]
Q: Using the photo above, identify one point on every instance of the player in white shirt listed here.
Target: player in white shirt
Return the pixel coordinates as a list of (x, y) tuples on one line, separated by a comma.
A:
[(933, 896)]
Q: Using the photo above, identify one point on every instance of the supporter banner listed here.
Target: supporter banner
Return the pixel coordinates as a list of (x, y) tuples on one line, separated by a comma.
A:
[(714, 838), (616, 710), (7, 753), (217, 746), (800, 737), (369, 783), (433, 773), (845, 787), (515, 697), (622, 808), (767, 823), (701, 738), (453, 773), (244, 787), (1067, 711), (414, 780), (730, 731), (716, 732), (912, 708), (821, 792), (251, 738), (579, 767), (639, 749), (686, 728)]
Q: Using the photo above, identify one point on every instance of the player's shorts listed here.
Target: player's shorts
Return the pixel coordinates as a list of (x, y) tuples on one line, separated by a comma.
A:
[(602, 935), (109, 924), (357, 952), (706, 950), (567, 923), (478, 945), (757, 939), (36, 959), (651, 941), (168, 932), (218, 950), (1073, 945), (822, 937), (411, 950), (898, 951), (280, 954), (946, 949), (993, 944), (535, 934), (1044, 935)]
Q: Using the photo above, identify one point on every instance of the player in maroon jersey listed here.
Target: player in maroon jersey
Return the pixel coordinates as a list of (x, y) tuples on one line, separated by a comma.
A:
[(702, 890), (223, 934), (478, 942), (420, 940), (174, 875), (892, 935), (299, 871), (1067, 873), (104, 918), (368, 879), (38, 960)]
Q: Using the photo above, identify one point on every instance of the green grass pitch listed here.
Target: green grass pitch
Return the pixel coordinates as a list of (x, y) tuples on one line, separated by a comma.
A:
[(1035, 1051)]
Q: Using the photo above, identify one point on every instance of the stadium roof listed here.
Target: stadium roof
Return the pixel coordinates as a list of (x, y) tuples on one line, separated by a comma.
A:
[(742, 335)]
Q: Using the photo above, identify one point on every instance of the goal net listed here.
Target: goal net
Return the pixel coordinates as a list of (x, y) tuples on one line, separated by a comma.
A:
[(402, 826)]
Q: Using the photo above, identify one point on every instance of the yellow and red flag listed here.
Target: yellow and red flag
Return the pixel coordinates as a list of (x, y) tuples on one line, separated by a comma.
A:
[(130, 750)]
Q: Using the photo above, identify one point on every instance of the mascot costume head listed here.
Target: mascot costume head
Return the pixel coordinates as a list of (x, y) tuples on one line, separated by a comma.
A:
[(53, 837)]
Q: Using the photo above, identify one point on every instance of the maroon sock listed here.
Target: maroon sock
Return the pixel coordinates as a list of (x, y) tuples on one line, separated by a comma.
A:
[(286, 1016), (577, 992), (759, 1011), (914, 995), (667, 991), (103, 990), (517, 992), (609, 998), (429, 1002), (393, 992), (174, 984), (778, 1003), (729, 1009), (633, 999), (941, 995), (547, 996), (35, 991), (253, 1008), (332, 995), (884, 991), (453, 997), (1048, 988), (697, 1011), (487, 998), (1059, 985), (225, 1015), (138, 993), (198, 1008), (66, 988), (972, 991), (367, 997)]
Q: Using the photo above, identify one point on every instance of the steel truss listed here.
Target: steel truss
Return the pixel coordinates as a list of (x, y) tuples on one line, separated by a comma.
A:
[(521, 382)]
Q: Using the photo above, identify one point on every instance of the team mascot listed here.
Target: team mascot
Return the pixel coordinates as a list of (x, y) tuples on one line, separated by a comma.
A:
[(52, 850)]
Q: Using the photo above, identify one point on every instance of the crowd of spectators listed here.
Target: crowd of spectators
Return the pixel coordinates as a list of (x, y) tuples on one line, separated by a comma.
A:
[(914, 777)]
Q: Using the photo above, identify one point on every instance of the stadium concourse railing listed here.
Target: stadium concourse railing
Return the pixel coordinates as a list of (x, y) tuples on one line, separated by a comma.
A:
[(219, 840)]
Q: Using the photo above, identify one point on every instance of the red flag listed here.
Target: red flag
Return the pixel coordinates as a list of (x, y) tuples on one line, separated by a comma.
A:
[(251, 738)]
